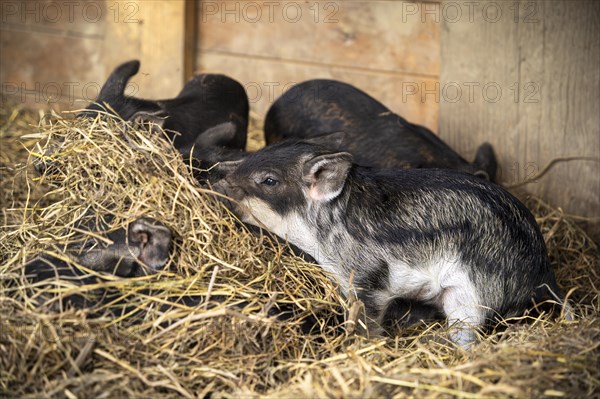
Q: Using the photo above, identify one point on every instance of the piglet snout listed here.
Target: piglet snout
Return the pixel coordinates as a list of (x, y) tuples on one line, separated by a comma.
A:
[(152, 240)]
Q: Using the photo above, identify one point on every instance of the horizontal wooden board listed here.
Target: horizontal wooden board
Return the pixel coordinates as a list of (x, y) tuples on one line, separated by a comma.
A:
[(63, 18), (53, 69), (372, 35), (265, 80), (53, 63)]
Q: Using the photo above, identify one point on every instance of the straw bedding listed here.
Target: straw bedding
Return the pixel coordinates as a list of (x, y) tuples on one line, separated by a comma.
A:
[(142, 340)]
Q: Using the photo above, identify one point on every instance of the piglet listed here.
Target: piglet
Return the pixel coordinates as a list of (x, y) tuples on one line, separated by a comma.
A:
[(441, 238), (207, 121), (374, 135), (205, 102), (142, 248)]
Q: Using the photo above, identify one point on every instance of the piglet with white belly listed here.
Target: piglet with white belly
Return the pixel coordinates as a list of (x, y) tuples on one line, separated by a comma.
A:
[(440, 238)]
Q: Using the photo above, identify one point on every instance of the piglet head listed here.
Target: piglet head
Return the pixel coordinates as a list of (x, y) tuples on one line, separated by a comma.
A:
[(283, 181), (150, 240)]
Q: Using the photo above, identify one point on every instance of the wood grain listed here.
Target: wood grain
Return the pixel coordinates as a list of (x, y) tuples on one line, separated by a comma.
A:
[(373, 35), (550, 52), (61, 62), (265, 80), (269, 46), (154, 33), (56, 70), (75, 19), (190, 33)]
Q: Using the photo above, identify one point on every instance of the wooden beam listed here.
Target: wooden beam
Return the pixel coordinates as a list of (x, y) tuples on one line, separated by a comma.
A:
[(190, 32), (154, 33)]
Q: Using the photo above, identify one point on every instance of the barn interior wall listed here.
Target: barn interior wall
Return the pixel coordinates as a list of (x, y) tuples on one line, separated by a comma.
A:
[(58, 54), (524, 76), (269, 46)]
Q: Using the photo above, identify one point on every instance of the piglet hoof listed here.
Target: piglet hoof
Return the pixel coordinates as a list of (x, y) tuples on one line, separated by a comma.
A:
[(153, 241), (464, 337)]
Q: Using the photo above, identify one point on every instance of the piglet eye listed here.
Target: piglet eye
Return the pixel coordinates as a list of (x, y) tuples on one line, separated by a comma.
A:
[(269, 181)]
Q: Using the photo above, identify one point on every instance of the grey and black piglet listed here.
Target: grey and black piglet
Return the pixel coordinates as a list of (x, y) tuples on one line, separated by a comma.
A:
[(441, 238)]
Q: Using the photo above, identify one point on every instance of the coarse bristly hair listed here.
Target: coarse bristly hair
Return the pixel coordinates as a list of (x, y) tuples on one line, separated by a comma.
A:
[(222, 349), (440, 237)]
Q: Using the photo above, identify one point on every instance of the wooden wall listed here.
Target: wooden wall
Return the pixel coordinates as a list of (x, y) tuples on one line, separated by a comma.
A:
[(533, 67), (55, 53), (269, 46)]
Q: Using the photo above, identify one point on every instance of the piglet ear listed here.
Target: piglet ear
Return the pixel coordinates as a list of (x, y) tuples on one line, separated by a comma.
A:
[(151, 240), (326, 175), (227, 167), (115, 85), (486, 162), (217, 136)]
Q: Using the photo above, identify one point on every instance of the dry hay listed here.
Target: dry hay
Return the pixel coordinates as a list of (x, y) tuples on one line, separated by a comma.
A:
[(233, 346)]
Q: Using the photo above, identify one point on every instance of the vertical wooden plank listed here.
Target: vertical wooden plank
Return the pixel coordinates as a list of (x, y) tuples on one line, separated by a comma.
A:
[(478, 58), (543, 57), (162, 46), (560, 58), (190, 32), (154, 33), (122, 40)]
